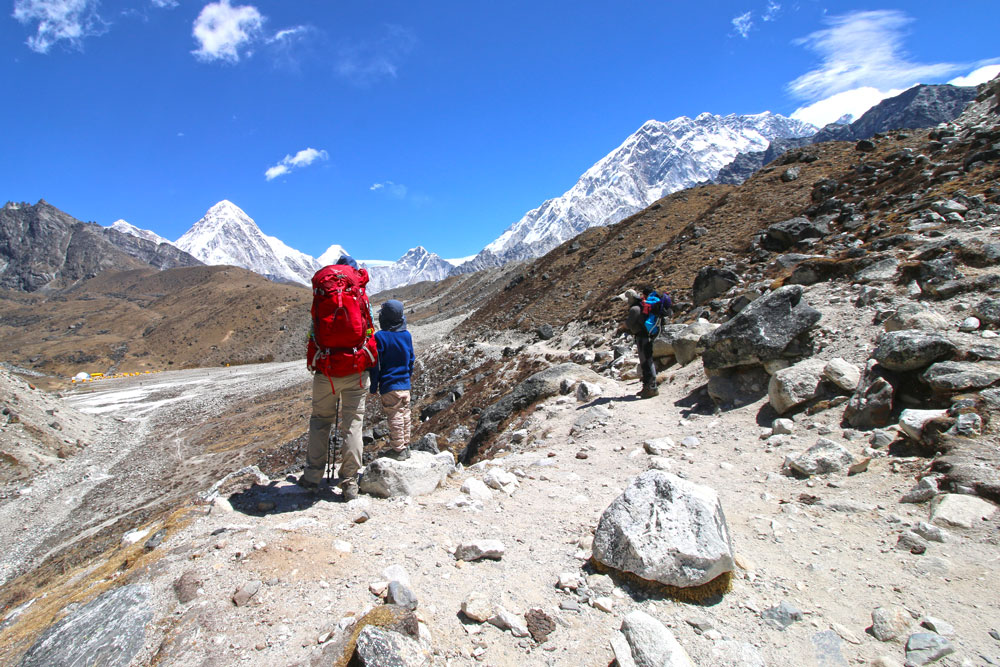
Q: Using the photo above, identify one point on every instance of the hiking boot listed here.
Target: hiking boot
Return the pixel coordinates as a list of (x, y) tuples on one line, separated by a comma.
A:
[(649, 391), (398, 455), (306, 484), (349, 490)]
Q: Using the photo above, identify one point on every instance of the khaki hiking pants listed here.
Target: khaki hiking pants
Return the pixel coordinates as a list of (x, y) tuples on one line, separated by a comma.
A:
[(397, 411), (351, 390)]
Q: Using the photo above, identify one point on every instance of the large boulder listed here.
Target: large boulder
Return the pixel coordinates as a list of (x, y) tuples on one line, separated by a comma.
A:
[(712, 282), (954, 376), (108, 630), (783, 235), (418, 475), (541, 385), (687, 343), (796, 385), (665, 529), (763, 331), (911, 349), (914, 315), (663, 345)]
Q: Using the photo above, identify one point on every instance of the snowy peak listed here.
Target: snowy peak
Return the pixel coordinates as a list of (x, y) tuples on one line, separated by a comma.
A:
[(332, 254), (657, 159), (416, 265), (128, 228), (227, 235)]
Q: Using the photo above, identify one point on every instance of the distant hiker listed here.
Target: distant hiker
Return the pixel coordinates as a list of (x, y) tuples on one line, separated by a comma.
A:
[(644, 320), (391, 375), (341, 348)]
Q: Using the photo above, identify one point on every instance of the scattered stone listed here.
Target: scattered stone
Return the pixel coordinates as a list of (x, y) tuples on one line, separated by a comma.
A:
[(582, 454), (651, 643), (938, 626), (827, 645), (842, 373), (782, 426), (588, 391), (361, 517), (923, 648), (658, 446), (871, 404), (478, 606), (884, 661), (688, 544), (477, 489), (960, 510), (912, 422), (568, 581), (781, 616), (604, 603), (506, 620), (888, 623), (245, 592), (910, 541), (822, 458), (418, 475), (911, 349), (400, 594), (954, 376), (540, 624), (501, 480), (931, 533), (881, 438), (381, 647), (922, 491), (109, 630), (688, 342), (186, 586), (796, 384), (712, 282), (479, 549), (731, 653), (969, 324), (915, 316)]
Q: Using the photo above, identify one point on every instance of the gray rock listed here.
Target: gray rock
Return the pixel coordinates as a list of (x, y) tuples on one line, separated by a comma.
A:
[(541, 385), (922, 491), (479, 606), (969, 425), (890, 622), (379, 647), (651, 643), (962, 511), (426, 443), (884, 270), (915, 316), (712, 282), (871, 404), (912, 422), (881, 438), (479, 549), (245, 592), (400, 594), (506, 620), (545, 332), (790, 174), (827, 645), (596, 415), (782, 615), (988, 311), (923, 648), (954, 376), (622, 651), (418, 475), (910, 541), (931, 533), (796, 385), (782, 426), (938, 626), (969, 324), (842, 373), (109, 630), (912, 349), (687, 343), (663, 345), (658, 446), (822, 458), (763, 331), (665, 529), (783, 235)]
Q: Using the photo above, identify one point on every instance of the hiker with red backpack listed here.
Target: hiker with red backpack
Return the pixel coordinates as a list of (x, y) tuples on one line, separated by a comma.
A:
[(341, 348), (644, 320), (390, 377)]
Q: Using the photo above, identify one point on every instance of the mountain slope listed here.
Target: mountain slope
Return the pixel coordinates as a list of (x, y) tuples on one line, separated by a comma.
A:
[(126, 227), (226, 235), (659, 158), (417, 265)]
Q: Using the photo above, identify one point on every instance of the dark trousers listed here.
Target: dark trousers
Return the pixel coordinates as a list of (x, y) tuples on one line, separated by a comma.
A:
[(645, 345)]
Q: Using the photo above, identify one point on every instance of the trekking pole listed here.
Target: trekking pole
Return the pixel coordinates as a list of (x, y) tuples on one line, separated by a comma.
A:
[(332, 446)]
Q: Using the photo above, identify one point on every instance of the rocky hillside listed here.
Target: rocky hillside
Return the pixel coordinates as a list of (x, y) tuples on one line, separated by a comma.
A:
[(43, 248)]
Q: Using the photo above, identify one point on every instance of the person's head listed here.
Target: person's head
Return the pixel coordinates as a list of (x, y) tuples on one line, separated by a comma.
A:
[(347, 260), (390, 316), (647, 290)]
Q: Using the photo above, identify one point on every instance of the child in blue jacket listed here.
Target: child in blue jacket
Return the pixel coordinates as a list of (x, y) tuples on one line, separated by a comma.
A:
[(391, 377)]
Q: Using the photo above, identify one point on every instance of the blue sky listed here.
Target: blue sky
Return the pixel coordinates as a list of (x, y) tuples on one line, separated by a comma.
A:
[(384, 125)]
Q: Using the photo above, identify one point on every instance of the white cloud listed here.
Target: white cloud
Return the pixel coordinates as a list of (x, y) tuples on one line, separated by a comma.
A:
[(394, 190), (772, 10), (862, 49), (854, 102), (978, 76), (303, 158), (59, 20), (742, 24), (224, 31), (165, 4), (365, 62)]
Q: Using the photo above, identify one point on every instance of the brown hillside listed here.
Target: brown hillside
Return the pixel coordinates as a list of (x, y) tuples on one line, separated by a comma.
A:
[(155, 320)]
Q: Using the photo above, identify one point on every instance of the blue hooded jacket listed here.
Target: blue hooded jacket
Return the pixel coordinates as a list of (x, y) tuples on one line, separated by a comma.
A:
[(395, 351)]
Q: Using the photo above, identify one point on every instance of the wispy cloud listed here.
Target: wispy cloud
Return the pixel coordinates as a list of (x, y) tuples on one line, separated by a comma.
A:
[(850, 102), (363, 63), (400, 192), (978, 76), (742, 24), (303, 158), (771, 11), (225, 32), (859, 49), (68, 21), (165, 4)]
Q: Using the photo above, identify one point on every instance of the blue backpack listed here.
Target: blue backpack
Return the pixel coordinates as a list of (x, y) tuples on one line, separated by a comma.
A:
[(653, 309)]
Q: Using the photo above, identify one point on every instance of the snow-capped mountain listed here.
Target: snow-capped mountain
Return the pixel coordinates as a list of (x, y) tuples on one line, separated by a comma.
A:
[(415, 266), (332, 254), (128, 228), (227, 235), (659, 158)]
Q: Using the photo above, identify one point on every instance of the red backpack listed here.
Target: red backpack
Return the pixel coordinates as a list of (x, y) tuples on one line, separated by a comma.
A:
[(342, 341)]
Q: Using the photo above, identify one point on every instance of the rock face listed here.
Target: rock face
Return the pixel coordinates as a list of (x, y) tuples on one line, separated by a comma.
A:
[(541, 385), (911, 349), (763, 331), (665, 529), (109, 630), (417, 475)]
